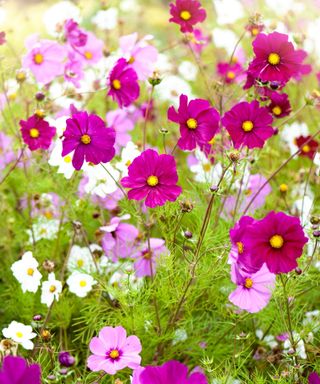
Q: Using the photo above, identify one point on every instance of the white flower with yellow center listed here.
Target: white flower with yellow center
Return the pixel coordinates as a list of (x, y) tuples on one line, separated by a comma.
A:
[(291, 132), (101, 179), (26, 272), (20, 333), (50, 290), (128, 154), (43, 228), (63, 162), (80, 283), (80, 259)]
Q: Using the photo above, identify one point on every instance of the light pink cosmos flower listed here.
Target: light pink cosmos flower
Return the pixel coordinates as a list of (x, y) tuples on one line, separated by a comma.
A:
[(121, 122), (92, 51), (44, 58), (254, 290), (113, 351), (139, 54)]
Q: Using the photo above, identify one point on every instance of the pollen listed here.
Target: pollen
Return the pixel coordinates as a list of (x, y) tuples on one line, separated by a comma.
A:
[(34, 133), (276, 241), (192, 123), (38, 58), (80, 263), (147, 256), (247, 126), (30, 271), (19, 334), (276, 110), (273, 58), (283, 188), (248, 282), (185, 15), (116, 84), (114, 354), (231, 75), (306, 148), (82, 283), (131, 60), (254, 31), (240, 247), (152, 181), (52, 288), (67, 159), (86, 139), (88, 55), (206, 167)]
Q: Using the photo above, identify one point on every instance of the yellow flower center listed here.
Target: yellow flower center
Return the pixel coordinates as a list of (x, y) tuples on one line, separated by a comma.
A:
[(192, 123), (80, 263), (273, 58), (12, 96), (147, 256), (48, 215), (206, 167), (128, 163), (254, 31), (19, 334), (185, 15), (38, 58), (248, 192), (276, 110), (276, 241), (131, 60), (88, 55), (240, 247), (212, 141), (82, 283), (231, 75), (86, 139), (114, 354), (152, 181), (248, 283), (247, 126), (67, 159), (30, 271), (116, 84), (283, 188), (34, 133), (306, 148), (52, 288)]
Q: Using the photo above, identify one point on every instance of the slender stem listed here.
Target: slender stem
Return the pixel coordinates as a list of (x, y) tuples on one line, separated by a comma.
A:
[(144, 137), (117, 183), (13, 167)]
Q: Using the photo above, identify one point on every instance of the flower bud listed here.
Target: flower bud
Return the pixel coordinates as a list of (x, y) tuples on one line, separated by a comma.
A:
[(40, 96), (65, 359), (188, 234)]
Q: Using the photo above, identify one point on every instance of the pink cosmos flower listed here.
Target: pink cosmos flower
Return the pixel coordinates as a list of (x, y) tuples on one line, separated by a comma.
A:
[(15, 370), (277, 240), (308, 147), (152, 177), (119, 238), (89, 138), (254, 290), (172, 372), (122, 123), (140, 55), (199, 41), (146, 263), (123, 83), (231, 73), (113, 351), (187, 13), (236, 235), (37, 133), (305, 69), (44, 58), (6, 153), (248, 124), (275, 58), (198, 121), (279, 104), (92, 51), (73, 71), (74, 35)]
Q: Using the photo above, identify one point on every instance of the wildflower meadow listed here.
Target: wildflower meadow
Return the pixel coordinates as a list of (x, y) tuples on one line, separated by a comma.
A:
[(159, 191)]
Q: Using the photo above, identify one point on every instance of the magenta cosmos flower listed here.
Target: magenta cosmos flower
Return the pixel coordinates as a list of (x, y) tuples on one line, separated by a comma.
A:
[(275, 58), (172, 372), (74, 35), (89, 138), (113, 351), (279, 104), (198, 121), (45, 59), (123, 83), (254, 290), (187, 13), (308, 146), (92, 51), (147, 259), (152, 177), (15, 370), (248, 124), (236, 235), (277, 240), (37, 133), (314, 378)]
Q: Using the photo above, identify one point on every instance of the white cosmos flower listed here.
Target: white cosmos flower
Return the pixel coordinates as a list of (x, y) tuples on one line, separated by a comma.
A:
[(56, 15), (224, 38), (64, 163), (80, 283), (26, 272), (205, 172), (300, 348), (80, 259), (228, 11), (100, 183), (188, 70), (50, 290), (128, 154), (106, 19), (170, 89), (44, 228), (20, 333), (291, 132)]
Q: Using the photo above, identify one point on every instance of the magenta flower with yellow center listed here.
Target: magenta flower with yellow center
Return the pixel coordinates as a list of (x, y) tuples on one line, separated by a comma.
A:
[(37, 133), (187, 13)]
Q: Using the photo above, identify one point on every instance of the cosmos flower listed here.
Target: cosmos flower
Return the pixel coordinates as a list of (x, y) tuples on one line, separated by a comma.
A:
[(50, 290), (230, 72), (123, 84), (172, 372), (122, 123), (152, 177), (308, 146), (26, 272), (15, 370), (89, 138), (92, 51), (80, 259), (187, 13), (248, 124), (20, 333), (277, 240), (279, 104), (64, 163), (146, 260), (236, 235), (254, 290), (80, 283), (44, 58), (37, 133), (199, 41), (113, 351), (6, 153), (276, 59), (66, 359), (314, 378), (73, 71), (74, 35), (198, 121)]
